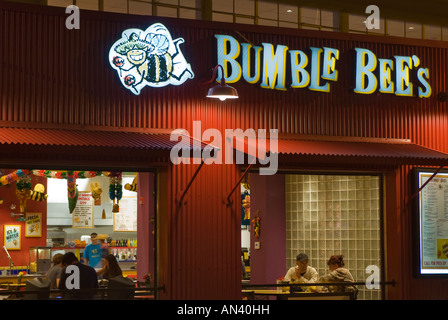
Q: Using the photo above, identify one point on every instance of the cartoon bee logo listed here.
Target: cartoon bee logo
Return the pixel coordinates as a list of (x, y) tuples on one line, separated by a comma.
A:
[(149, 58)]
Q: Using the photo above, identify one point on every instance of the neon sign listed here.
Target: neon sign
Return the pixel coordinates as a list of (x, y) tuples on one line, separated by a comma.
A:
[(149, 58), (317, 70)]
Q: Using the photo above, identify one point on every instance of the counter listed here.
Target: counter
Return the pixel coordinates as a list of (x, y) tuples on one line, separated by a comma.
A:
[(15, 278), (286, 295)]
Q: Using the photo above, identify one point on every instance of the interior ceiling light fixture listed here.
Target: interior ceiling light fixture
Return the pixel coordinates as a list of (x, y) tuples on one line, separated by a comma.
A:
[(222, 91)]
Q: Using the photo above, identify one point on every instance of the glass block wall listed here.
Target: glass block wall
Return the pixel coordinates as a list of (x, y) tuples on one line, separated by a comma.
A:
[(334, 214)]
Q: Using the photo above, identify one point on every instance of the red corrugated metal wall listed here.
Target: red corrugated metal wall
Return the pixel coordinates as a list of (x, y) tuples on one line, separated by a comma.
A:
[(57, 76)]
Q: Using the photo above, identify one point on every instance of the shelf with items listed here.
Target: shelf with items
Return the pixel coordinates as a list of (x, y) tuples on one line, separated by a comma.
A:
[(73, 248), (124, 254), (123, 243)]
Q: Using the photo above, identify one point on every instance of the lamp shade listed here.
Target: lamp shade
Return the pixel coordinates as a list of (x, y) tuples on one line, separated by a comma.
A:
[(222, 92)]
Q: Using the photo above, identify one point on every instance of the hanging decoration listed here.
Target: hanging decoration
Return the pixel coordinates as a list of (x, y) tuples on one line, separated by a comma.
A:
[(96, 193), (71, 176), (115, 189), (13, 176), (246, 206), (133, 186), (72, 191), (64, 174), (256, 226), (245, 202), (23, 191), (38, 194)]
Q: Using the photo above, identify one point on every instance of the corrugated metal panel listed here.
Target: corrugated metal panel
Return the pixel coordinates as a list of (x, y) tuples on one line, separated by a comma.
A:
[(386, 151), (404, 153), (87, 138), (58, 76)]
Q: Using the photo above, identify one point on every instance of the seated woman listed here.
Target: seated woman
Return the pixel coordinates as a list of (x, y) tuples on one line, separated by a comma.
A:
[(110, 267), (338, 274)]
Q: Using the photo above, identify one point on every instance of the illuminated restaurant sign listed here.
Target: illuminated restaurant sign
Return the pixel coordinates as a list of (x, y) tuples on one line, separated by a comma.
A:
[(270, 66), (149, 58)]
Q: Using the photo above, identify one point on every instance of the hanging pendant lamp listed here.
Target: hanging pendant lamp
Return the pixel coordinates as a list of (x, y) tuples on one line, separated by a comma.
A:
[(222, 91)]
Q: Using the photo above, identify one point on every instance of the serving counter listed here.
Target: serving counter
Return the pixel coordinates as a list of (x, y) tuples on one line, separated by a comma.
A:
[(15, 278)]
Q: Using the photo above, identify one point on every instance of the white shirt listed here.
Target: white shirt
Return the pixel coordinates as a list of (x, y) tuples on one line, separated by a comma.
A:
[(310, 275)]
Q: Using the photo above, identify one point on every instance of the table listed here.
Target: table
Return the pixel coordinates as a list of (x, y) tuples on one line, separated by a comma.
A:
[(286, 295), (140, 296), (13, 287)]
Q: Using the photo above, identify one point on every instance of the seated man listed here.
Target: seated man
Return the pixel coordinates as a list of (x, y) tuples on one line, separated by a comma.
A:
[(302, 272), (84, 277)]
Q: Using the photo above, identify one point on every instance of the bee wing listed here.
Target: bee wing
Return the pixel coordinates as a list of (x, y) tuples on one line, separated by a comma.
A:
[(159, 41)]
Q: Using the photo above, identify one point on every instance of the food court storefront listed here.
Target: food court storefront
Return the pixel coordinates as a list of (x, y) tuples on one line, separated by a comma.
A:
[(353, 111)]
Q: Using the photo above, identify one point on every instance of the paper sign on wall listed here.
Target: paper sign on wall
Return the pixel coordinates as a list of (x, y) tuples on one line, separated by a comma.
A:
[(11, 237), (33, 224), (126, 219), (83, 216)]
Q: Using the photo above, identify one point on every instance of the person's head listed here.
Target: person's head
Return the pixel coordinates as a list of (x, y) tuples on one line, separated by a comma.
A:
[(101, 238), (302, 261), (57, 259), (69, 258), (110, 260), (336, 262), (111, 263), (94, 238)]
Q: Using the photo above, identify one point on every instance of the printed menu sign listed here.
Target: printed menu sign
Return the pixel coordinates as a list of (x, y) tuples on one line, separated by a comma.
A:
[(33, 224), (83, 213), (433, 223)]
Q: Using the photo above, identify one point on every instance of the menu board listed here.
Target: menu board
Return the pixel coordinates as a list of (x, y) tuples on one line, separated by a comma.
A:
[(82, 216), (433, 222), (126, 218)]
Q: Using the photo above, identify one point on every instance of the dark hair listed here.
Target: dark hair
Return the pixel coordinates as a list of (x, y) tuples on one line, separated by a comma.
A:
[(69, 258), (302, 257), (57, 259), (339, 260), (114, 269), (93, 234)]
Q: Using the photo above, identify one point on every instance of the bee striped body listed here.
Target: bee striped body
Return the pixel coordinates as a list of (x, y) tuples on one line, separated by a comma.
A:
[(38, 196), (132, 187), (158, 68)]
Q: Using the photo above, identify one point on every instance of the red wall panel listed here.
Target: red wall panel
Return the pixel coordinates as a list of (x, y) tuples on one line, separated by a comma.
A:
[(51, 75), (8, 195)]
